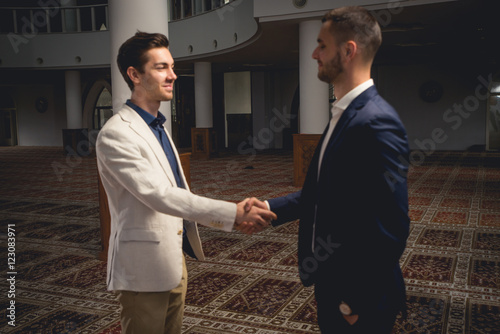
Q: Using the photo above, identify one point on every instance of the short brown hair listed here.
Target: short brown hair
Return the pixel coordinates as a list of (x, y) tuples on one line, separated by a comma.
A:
[(133, 52), (357, 24)]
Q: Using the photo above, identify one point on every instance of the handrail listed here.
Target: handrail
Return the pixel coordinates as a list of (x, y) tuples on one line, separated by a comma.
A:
[(65, 7), (71, 19), (191, 8), (68, 19)]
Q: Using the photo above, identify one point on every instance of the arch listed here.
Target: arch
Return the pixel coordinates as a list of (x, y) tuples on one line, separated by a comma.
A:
[(89, 105)]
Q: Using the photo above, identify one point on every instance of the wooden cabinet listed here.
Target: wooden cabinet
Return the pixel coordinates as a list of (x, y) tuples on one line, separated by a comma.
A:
[(304, 146)]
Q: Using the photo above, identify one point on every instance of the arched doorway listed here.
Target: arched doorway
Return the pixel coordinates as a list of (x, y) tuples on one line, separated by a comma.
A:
[(97, 108), (8, 121), (103, 109)]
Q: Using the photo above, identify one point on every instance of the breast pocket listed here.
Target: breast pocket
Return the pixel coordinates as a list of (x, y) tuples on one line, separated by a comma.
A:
[(140, 235)]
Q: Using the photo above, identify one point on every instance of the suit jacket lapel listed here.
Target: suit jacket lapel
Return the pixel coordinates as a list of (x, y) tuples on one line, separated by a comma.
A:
[(344, 120), (140, 127), (308, 203)]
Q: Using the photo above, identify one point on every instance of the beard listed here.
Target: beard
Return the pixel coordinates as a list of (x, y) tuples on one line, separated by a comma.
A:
[(331, 69)]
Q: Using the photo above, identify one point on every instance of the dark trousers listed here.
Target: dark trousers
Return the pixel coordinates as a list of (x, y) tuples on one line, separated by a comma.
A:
[(380, 320)]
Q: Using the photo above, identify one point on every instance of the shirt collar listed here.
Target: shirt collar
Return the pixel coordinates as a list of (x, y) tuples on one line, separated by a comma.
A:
[(147, 117), (346, 100)]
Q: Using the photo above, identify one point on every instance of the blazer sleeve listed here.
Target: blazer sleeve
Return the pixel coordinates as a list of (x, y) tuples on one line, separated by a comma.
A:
[(127, 165), (287, 208)]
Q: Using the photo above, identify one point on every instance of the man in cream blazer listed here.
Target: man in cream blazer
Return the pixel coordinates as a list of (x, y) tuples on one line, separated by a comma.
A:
[(152, 212)]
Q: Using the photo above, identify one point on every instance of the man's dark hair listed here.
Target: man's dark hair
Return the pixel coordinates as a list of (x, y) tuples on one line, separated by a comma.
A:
[(133, 52), (356, 24)]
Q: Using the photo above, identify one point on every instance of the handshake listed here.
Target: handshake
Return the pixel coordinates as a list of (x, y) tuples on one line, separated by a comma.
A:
[(253, 216)]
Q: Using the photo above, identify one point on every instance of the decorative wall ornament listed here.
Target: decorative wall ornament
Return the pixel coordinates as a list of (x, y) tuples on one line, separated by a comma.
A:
[(431, 91), (299, 3), (41, 104)]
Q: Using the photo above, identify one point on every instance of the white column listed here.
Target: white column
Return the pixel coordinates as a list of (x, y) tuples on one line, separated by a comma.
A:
[(314, 104), (125, 18), (73, 100), (203, 94)]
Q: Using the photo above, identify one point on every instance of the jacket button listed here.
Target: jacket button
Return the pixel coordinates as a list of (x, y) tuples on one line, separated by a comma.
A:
[(180, 232)]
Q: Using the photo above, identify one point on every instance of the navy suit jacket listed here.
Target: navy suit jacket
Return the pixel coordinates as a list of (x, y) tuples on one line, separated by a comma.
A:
[(359, 206)]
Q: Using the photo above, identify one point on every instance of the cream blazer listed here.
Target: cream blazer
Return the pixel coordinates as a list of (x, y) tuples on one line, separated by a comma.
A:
[(148, 210)]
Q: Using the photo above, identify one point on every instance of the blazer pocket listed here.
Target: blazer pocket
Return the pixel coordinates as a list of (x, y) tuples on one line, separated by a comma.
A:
[(140, 235)]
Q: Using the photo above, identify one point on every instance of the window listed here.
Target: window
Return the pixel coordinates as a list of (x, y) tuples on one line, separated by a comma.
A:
[(103, 109)]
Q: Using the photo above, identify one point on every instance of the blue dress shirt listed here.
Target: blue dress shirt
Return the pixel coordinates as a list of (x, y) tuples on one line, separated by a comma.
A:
[(156, 125)]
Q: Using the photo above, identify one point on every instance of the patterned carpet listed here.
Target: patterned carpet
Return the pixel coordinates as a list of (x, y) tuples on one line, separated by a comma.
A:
[(247, 284)]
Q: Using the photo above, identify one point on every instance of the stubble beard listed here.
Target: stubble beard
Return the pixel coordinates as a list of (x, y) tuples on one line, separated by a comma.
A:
[(331, 70)]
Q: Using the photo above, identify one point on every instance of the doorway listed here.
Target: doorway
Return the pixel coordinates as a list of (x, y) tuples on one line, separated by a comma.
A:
[(8, 121), (183, 113), (493, 118)]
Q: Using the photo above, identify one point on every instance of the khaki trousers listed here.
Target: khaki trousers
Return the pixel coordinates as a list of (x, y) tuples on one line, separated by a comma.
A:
[(153, 312)]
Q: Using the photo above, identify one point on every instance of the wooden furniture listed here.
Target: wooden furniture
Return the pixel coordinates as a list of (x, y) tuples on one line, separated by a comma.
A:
[(105, 217), (203, 142), (304, 146)]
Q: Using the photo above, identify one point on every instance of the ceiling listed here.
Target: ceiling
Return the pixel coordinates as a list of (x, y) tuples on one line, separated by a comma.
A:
[(449, 32)]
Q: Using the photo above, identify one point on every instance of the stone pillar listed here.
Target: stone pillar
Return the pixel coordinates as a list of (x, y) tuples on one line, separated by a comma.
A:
[(203, 136), (314, 104), (125, 18), (75, 137), (73, 100)]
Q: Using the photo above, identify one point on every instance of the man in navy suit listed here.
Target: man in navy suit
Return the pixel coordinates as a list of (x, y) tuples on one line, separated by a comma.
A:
[(353, 207)]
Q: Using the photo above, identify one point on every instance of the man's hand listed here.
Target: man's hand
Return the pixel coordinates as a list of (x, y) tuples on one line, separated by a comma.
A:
[(251, 202), (351, 319), (253, 218)]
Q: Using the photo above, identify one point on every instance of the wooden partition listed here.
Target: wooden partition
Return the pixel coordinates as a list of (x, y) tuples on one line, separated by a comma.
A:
[(203, 142), (304, 146)]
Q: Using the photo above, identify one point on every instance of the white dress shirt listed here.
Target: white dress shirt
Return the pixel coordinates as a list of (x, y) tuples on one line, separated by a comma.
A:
[(337, 110)]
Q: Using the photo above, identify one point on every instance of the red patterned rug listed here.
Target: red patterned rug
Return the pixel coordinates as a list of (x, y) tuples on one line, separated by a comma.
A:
[(247, 284)]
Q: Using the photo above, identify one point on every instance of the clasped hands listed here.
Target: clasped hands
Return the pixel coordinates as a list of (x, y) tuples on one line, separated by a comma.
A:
[(252, 216)]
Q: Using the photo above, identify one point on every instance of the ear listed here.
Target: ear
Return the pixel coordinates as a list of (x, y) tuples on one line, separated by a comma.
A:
[(350, 49), (133, 74)]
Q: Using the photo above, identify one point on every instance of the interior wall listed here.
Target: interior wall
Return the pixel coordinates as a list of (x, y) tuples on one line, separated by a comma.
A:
[(272, 97), (457, 121), (35, 128)]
